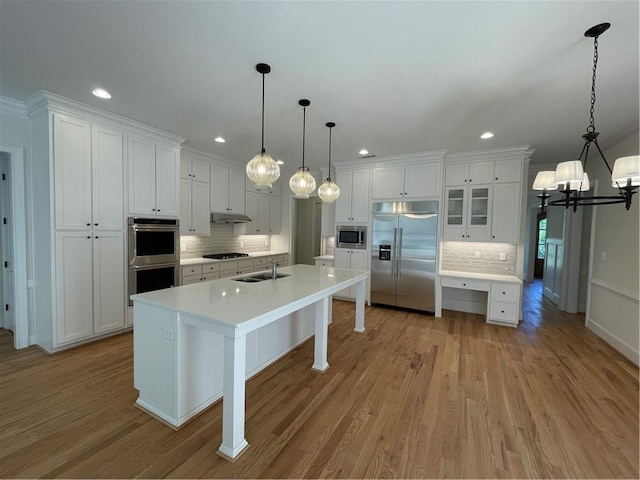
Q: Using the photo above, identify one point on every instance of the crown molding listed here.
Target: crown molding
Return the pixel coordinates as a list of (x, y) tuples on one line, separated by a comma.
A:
[(211, 156), (520, 152), (369, 162), (44, 100), (15, 107)]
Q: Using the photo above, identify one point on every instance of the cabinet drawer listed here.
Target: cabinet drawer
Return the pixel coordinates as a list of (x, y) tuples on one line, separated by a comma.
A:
[(210, 276), (503, 311), (261, 262), (324, 263), (504, 292), (191, 270), (465, 283), (246, 263), (283, 260), (189, 279), (210, 267)]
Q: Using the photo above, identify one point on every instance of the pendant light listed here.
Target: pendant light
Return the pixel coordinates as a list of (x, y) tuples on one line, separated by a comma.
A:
[(302, 183), (262, 169), (571, 175), (329, 191)]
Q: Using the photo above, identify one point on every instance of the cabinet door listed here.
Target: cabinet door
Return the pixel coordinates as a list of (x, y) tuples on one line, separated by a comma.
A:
[(387, 183), (360, 205), (219, 189), (108, 178), (505, 225), (142, 176), (456, 174), (422, 180), (274, 215), (358, 261), (479, 213), (252, 213), (236, 192), (262, 227), (506, 171), (185, 207), (109, 294), (200, 170), (455, 214), (480, 172), (72, 171), (74, 286), (343, 202), (341, 259), (167, 181), (200, 217), (185, 168)]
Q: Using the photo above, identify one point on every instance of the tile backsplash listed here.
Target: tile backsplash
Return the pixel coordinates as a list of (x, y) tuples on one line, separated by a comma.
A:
[(223, 240), (478, 257)]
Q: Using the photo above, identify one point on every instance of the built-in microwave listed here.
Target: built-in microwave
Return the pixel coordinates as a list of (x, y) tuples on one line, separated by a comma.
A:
[(351, 236)]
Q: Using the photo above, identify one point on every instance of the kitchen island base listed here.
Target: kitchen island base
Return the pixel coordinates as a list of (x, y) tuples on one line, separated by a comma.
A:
[(196, 343)]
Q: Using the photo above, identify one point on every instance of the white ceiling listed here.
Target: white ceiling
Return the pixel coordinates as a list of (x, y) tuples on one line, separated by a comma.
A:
[(396, 77)]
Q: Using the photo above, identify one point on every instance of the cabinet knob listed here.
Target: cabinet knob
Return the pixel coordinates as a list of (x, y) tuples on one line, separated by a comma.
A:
[(88, 224), (88, 236), (153, 209), (464, 284), (496, 178), (502, 311), (97, 236), (493, 236), (95, 224), (504, 293), (470, 180)]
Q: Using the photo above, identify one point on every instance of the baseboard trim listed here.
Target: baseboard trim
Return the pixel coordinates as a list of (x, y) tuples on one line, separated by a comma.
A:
[(617, 343)]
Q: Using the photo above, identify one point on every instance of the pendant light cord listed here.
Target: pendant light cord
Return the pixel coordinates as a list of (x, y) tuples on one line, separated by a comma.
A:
[(329, 174), (304, 130), (263, 150)]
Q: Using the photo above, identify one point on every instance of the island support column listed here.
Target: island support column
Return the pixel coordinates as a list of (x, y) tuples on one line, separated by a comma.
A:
[(234, 371), (360, 306), (320, 363)]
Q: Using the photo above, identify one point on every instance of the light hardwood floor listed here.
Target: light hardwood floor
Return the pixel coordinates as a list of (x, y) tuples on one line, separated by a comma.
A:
[(412, 397)]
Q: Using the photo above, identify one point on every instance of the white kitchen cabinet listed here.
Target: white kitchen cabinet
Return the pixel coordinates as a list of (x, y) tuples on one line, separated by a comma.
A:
[(468, 213), (352, 259), (88, 166), (504, 303), (90, 284), (194, 169), (475, 173), (195, 273), (194, 208), (154, 178), (264, 212), (507, 171), (323, 262), (353, 206), (505, 226), (406, 182), (227, 190)]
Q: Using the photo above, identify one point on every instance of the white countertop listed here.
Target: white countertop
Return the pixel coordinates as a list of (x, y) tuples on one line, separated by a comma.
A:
[(481, 276), (230, 303), (324, 257), (202, 260)]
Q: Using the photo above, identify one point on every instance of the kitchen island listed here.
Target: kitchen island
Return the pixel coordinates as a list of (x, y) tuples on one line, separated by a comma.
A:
[(196, 343)]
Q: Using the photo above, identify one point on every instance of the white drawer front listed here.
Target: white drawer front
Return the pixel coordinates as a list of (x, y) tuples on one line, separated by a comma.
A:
[(191, 270), (210, 267), (464, 283), (245, 263), (210, 276), (261, 262), (504, 311), (504, 292), (189, 279)]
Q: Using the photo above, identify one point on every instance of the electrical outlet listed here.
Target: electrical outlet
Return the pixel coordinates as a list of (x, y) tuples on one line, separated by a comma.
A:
[(170, 334), (476, 254), (266, 243), (241, 243), (603, 256), (503, 256), (183, 247)]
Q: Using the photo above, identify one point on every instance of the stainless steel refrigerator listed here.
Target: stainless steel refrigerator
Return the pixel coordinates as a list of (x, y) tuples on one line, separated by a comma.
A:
[(404, 245)]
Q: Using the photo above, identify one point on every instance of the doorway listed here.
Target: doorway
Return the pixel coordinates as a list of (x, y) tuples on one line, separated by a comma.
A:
[(308, 223), (541, 247), (13, 246)]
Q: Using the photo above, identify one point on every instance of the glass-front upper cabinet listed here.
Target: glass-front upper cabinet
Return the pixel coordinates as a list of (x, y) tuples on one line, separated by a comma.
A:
[(468, 214)]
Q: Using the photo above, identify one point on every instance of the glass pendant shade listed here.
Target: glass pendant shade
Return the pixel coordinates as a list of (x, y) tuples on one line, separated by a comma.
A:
[(569, 172), (263, 170), (329, 191), (624, 169), (302, 183), (545, 180)]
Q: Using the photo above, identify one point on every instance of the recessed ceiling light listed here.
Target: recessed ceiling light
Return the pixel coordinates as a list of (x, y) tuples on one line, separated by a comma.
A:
[(219, 140), (486, 135), (101, 93), (279, 162), (363, 152)]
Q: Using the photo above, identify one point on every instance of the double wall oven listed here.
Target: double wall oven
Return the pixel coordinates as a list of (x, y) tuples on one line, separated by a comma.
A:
[(154, 254)]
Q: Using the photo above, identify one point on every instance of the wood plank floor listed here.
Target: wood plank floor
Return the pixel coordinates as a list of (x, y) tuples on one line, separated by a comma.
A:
[(412, 397)]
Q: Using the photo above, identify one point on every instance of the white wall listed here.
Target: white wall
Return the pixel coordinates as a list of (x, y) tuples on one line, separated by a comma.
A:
[(613, 310)]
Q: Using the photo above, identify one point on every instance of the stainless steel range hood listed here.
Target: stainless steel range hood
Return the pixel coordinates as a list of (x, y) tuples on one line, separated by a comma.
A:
[(218, 217)]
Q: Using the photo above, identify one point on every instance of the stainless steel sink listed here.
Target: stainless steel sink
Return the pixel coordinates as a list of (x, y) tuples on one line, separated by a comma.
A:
[(259, 277)]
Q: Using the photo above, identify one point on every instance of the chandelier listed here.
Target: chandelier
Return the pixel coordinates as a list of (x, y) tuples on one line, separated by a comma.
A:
[(262, 169), (329, 191), (302, 183), (572, 179)]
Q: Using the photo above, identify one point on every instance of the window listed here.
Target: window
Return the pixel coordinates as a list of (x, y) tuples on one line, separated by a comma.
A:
[(542, 238)]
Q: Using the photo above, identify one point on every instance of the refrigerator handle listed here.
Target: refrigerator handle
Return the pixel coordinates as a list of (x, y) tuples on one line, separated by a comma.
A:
[(393, 252), (398, 265)]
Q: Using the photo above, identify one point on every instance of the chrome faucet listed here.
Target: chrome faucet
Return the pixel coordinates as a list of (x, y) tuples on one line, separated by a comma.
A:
[(274, 270)]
